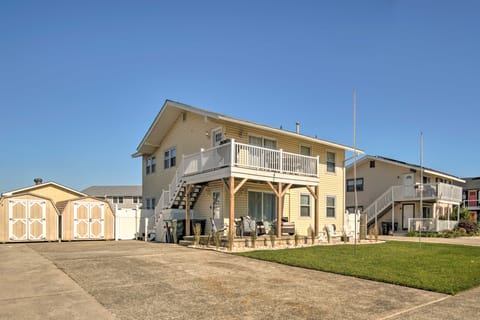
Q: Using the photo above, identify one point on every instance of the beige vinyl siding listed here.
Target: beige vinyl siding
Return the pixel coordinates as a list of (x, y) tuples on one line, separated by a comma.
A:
[(188, 137)]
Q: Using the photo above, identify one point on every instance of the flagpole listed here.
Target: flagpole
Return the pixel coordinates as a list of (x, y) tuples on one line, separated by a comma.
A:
[(355, 163)]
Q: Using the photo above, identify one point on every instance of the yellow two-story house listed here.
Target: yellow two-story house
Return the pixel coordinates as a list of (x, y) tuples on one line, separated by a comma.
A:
[(199, 164)]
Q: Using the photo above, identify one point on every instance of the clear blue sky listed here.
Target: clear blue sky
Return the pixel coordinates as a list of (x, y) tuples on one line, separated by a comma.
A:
[(81, 81)]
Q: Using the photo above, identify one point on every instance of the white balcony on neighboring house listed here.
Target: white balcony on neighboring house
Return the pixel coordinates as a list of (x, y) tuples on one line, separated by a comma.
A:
[(472, 204), (429, 192), (247, 161)]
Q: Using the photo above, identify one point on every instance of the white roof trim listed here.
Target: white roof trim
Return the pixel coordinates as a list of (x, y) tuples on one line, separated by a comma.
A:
[(218, 116), (406, 165)]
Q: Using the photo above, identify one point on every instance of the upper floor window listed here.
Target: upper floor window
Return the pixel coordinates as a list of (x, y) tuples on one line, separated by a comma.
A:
[(151, 165), (331, 161), (136, 199), (351, 187), (305, 151), (330, 207), (304, 205), (117, 199), (372, 163), (262, 142), (170, 158), (216, 136), (426, 179), (150, 203)]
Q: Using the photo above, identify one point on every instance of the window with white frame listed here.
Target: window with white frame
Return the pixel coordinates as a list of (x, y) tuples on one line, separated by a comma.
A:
[(136, 199), (170, 158), (150, 165), (305, 209), (262, 142), (331, 161), (305, 150), (330, 207), (216, 136)]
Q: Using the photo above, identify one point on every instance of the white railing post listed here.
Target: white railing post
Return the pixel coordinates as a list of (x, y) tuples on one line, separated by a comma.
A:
[(281, 161), (232, 153), (376, 214), (318, 166)]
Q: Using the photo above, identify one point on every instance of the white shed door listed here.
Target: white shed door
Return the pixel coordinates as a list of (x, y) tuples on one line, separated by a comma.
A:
[(88, 220), (27, 219)]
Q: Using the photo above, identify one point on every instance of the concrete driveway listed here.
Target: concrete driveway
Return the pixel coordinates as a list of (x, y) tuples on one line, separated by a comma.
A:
[(138, 280)]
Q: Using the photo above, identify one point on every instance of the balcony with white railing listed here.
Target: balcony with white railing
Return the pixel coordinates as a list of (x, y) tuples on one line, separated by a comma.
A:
[(250, 159), (472, 204), (427, 192)]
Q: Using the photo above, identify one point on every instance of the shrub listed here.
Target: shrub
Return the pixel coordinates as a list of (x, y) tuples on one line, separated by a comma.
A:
[(469, 227)]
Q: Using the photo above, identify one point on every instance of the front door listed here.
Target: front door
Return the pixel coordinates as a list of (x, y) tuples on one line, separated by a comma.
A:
[(408, 211), (409, 185), (472, 198)]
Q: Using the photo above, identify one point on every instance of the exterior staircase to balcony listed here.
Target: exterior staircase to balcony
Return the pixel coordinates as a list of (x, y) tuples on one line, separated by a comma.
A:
[(175, 197), (380, 206)]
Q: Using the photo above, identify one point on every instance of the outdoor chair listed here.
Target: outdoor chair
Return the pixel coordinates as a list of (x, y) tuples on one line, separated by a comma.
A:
[(248, 226)]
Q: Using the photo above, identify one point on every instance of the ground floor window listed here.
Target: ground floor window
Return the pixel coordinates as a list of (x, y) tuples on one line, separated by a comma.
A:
[(330, 207), (262, 206), (427, 212), (304, 205)]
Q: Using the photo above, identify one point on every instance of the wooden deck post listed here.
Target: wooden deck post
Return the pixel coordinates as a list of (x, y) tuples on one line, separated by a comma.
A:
[(279, 210), (231, 224), (317, 210)]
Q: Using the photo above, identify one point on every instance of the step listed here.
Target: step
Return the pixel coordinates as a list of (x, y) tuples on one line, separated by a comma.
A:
[(185, 243)]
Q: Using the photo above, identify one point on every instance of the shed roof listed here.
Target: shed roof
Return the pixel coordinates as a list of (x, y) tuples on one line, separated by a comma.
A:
[(42, 185)]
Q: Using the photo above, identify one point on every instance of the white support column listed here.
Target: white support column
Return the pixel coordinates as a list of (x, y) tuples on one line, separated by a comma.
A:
[(281, 161), (232, 153), (116, 222), (146, 229), (393, 214)]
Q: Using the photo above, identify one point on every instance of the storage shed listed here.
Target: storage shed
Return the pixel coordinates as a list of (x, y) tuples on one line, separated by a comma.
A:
[(86, 218), (28, 217)]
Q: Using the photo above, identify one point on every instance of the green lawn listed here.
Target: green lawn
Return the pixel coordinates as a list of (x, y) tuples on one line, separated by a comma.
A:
[(435, 267)]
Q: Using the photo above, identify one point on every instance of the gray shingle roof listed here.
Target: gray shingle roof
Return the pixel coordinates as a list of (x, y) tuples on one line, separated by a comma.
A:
[(123, 191)]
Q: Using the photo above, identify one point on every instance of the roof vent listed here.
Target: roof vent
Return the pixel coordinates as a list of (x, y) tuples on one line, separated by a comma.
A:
[(38, 180), (297, 127)]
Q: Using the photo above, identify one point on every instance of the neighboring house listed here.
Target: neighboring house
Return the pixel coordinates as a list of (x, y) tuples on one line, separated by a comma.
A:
[(226, 168), (122, 197), (390, 190), (50, 211), (471, 196)]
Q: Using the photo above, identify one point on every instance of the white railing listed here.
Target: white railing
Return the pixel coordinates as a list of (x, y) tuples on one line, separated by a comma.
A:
[(437, 191), (471, 203), (430, 224), (248, 156), (382, 202)]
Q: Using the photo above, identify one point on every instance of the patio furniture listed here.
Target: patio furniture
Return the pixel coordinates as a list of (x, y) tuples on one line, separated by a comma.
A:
[(287, 227), (260, 228), (247, 226)]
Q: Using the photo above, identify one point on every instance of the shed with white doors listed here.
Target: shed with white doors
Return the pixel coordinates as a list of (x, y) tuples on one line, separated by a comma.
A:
[(86, 219), (27, 217)]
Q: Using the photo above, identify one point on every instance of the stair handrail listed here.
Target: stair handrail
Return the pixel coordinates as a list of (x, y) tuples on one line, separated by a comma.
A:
[(382, 202)]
